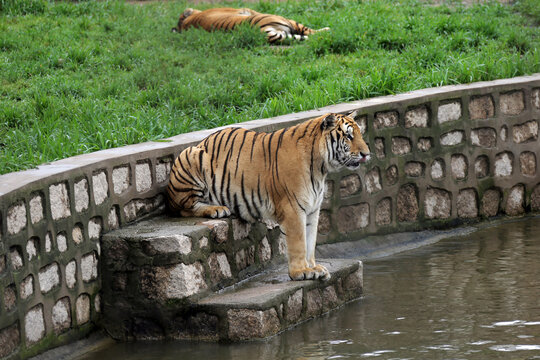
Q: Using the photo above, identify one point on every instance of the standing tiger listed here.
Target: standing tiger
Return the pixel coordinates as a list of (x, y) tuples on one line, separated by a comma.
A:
[(277, 28), (278, 176)]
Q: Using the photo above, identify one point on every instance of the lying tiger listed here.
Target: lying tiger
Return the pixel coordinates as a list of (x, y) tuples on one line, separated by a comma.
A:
[(277, 28), (278, 176)]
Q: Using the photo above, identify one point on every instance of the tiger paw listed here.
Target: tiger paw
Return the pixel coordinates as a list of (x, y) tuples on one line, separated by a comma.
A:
[(321, 272), (216, 212), (302, 274)]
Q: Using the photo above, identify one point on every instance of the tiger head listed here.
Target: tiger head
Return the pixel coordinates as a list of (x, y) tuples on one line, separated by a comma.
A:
[(187, 13), (344, 142)]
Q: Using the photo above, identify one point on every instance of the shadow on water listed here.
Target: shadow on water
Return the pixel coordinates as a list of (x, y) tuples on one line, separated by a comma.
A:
[(474, 296)]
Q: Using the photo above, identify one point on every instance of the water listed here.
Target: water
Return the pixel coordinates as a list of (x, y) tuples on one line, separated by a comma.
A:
[(471, 297)]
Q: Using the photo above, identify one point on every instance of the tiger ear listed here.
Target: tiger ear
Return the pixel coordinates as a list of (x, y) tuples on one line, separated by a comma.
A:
[(353, 114), (328, 122)]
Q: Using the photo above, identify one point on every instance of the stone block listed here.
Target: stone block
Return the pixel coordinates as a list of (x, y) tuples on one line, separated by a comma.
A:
[(330, 298), (240, 229), (407, 203), (481, 107), (383, 212), (535, 199), (203, 242), (489, 205), (49, 277), (512, 103), (15, 255), (173, 244), (100, 186), (94, 228), (355, 281), (527, 162), (163, 283), (32, 248), (459, 166), (392, 175), (121, 178), (265, 251), (484, 137), (139, 207), (414, 169), (59, 198), (515, 203), (293, 307), (36, 208), (535, 98), (10, 339), (282, 245), (89, 267), (241, 259), (437, 204), (467, 204), (61, 315), (82, 309), (97, 303), (201, 326), (48, 242), (16, 218), (481, 167), (219, 267), (379, 148), (373, 181), (71, 274), (438, 171), (504, 164), (119, 281), (401, 145), (525, 132), (424, 144), (34, 325), (503, 134), (112, 218), (314, 303), (353, 217), (143, 176), (417, 117), (163, 169), (349, 185), (385, 120), (27, 287), (247, 324), (452, 138), (328, 191), (325, 222), (61, 242), (82, 198), (449, 112), (362, 124), (77, 234), (219, 228), (10, 297)]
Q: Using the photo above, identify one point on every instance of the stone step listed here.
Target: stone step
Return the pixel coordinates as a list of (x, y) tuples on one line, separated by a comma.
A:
[(271, 302), (172, 278)]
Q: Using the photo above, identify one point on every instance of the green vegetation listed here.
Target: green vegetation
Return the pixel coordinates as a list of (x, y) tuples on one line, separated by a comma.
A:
[(77, 77)]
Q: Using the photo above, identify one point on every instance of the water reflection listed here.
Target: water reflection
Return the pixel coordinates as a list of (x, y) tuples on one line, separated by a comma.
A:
[(469, 297)]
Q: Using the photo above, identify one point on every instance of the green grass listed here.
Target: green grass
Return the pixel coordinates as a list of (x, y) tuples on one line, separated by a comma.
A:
[(77, 77)]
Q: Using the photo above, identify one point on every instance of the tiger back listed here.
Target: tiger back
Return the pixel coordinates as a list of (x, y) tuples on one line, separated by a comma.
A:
[(278, 176), (277, 28)]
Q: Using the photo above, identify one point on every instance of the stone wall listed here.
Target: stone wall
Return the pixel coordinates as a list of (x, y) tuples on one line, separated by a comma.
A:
[(442, 156)]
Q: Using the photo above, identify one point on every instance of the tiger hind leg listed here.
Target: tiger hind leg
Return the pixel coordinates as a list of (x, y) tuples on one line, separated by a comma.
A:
[(274, 35)]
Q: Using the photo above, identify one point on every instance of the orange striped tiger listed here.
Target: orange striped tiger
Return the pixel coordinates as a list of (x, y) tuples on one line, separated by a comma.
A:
[(277, 28), (278, 176)]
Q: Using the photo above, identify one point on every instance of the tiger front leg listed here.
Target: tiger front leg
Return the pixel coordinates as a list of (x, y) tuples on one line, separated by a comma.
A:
[(294, 226), (321, 272)]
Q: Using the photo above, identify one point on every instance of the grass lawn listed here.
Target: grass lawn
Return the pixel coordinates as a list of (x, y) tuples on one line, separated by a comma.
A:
[(77, 77)]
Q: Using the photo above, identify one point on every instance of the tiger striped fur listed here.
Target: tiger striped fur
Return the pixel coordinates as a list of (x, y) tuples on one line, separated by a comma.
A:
[(278, 176), (277, 28)]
